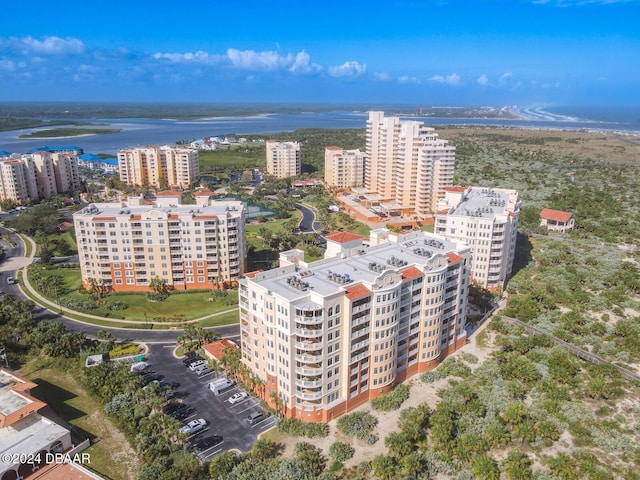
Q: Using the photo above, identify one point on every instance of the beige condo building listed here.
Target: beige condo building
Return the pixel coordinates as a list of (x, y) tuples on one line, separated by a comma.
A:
[(36, 175), (407, 164), (487, 220), (159, 167), (344, 168), (327, 336), (123, 246), (283, 159)]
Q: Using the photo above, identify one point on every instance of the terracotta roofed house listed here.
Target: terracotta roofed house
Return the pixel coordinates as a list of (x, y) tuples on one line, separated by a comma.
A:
[(557, 220)]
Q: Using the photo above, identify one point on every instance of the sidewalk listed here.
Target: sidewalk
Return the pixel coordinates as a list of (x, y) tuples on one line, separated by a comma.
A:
[(86, 317)]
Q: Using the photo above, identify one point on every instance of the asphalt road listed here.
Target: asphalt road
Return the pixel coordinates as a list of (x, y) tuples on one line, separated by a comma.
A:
[(308, 224)]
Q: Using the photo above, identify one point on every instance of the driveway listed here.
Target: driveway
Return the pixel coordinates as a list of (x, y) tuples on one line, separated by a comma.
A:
[(222, 417)]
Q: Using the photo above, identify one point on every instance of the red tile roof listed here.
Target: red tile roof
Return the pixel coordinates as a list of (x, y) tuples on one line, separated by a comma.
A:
[(442, 212), (454, 257), (102, 219), (333, 147), (411, 272), (456, 188), (556, 215), (253, 274), (202, 193), (214, 349), (357, 291), (168, 193), (205, 217), (343, 237)]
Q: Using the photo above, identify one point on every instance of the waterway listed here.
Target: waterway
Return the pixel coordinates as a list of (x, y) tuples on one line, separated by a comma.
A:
[(142, 131)]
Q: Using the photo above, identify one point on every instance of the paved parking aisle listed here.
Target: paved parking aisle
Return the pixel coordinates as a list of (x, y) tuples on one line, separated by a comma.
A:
[(223, 418)]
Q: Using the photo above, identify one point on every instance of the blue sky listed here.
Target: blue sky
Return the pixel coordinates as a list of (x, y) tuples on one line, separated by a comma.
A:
[(427, 52)]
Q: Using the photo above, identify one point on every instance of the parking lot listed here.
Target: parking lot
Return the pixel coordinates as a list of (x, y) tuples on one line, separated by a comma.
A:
[(223, 418)]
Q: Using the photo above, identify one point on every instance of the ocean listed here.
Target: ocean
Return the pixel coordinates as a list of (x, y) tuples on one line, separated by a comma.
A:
[(142, 131)]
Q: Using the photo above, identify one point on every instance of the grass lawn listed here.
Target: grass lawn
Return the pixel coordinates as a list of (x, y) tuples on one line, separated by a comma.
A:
[(65, 237), (183, 306), (111, 454), (274, 226)]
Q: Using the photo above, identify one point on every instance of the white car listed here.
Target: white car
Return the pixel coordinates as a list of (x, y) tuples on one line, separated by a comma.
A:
[(11, 280), (195, 365), (235, 398), (194, 426)]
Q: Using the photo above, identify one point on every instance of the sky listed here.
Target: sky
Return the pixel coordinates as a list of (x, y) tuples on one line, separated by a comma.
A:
[(418, 52)]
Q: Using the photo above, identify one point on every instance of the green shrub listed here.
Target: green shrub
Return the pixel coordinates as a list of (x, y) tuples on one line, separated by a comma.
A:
[(124, 349), (359, 424), (298, 428), (392, 400), (431, 376), (341, 452)]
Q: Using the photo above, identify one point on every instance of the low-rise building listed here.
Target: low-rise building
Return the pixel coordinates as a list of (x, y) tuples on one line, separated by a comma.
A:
[(27, 439), (487, 220), (327, 336), (557, 220), (122, 246)]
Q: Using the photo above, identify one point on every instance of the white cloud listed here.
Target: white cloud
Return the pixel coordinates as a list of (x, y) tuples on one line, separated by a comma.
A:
[(408, 79), (348, 69), (482, 80), (48, 46), (382, 76), (252, 60), (505, 78), (198, 57), (301, 64), (7, 65), (453, 79)]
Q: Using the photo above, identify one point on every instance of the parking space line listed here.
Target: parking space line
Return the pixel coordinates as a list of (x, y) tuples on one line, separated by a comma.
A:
[(248, 408), (214, 453)]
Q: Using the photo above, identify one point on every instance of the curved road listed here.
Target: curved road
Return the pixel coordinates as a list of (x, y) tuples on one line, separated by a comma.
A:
[(308, 224), (14, 259)]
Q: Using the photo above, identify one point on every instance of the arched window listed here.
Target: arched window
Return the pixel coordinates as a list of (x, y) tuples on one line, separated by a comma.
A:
[(330, 311), (337, 309)]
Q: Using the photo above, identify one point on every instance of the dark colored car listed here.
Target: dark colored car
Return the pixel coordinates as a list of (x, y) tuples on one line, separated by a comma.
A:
[(150, 377), (166, 383), (170, 408), (182, 413), (206, 443)]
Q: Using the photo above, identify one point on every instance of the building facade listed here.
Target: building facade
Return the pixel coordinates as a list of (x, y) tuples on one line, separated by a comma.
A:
[(122, 247), (36, 175), (344, 168), (487, 220), (327, 336), (283, 159), (159, 167), (407, 163)]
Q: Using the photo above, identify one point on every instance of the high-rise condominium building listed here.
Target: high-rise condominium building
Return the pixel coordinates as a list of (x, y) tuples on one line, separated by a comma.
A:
[(283, 159), (40, 174), (330, 335), (159, 167), (124, 246), (486, 219), (344, 168), (407, 163)]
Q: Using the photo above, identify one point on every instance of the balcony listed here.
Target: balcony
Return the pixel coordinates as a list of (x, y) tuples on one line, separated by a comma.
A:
[(308, 333), (300, 382), (308, 320), (308, 346), (360, 333), (309, 394), (309, 358), (309, 371)]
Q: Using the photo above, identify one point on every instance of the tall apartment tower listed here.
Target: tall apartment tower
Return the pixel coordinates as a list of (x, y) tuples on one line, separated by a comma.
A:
[(407, 163), (159, 167), (283, 159), (17, 181), (327, 336), (486, 219), (65, 169), (344, 168), (124, 246)]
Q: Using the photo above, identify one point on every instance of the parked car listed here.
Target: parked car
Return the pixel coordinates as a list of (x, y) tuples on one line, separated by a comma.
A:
[(150, 377), (204, 371), (194, 426), (11, 280), (236, 397), (170, 408), (206, 443), (182, 413), (194, 365), (257, 417), (166, 383), (189, 360)]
